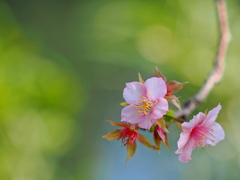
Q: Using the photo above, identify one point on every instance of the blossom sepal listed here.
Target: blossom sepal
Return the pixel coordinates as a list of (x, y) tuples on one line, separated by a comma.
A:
[(172, 87), (162, 124), (113, 135), (140, 78), (174, 100), (120, 124), (142, 139), (124, 104), (159, 74), (131, 149), (175, 86)]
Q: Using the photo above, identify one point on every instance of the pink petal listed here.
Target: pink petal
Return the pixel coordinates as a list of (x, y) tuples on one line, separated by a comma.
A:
[(218, 133), (156, 87), (185, 156), (160, 108), (129, 114), (184, 138), (161, 134), (133, 91), (146, 123), (152, 121), (212, 115), (198, 119)]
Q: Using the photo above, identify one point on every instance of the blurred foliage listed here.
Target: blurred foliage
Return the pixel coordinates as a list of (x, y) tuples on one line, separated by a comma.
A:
[(38, 102), (63, 65)]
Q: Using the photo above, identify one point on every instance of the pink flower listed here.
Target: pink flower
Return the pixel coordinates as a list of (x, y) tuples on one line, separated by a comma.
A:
[(146, 102), (199, 131)]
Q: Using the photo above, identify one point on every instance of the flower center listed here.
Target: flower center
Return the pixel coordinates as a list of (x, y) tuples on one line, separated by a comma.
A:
[(128, 136), (201, 134), (144, 106)]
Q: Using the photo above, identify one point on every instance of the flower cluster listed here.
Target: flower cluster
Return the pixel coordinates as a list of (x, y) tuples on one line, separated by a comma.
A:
[(146, 107)]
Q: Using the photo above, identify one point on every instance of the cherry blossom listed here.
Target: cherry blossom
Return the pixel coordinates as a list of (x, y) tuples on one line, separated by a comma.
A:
[(146, 102), (200, 131)]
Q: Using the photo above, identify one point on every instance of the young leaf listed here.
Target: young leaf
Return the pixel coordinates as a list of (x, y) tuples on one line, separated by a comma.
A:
[(169, 116), (152, 128)]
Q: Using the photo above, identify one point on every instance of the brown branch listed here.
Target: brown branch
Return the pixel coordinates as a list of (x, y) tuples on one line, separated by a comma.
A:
[(218, 69)]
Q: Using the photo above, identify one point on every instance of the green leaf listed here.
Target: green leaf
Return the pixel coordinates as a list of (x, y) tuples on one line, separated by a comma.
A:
[(169, 116), (170, 113), (152, 128)]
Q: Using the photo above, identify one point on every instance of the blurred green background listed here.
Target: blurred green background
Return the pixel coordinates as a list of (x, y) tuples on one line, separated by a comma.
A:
[(64, 64)]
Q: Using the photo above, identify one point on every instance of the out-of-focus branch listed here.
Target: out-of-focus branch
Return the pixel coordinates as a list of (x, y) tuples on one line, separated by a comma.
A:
[(218, 69)]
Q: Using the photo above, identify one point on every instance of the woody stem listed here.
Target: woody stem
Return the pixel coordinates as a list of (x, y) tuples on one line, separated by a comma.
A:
[(218, 70)]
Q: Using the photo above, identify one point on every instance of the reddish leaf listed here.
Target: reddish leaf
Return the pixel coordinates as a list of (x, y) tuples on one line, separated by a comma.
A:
[(113, 135), (131, 149)]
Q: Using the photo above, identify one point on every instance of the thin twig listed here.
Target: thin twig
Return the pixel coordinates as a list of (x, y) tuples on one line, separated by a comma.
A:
[(218, 69)]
